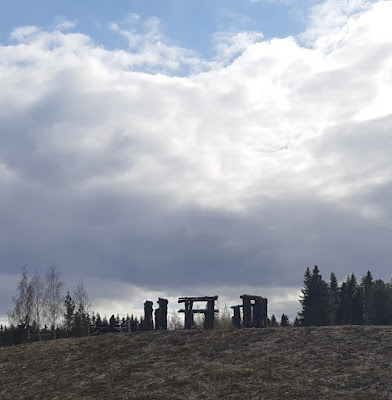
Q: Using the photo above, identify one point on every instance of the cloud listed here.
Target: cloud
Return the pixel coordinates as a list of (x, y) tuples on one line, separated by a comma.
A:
[(150, 49), (62, 24), (271, 157)]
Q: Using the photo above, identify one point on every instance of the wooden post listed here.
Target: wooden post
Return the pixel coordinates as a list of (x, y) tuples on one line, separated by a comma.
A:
[(247, 310), (237, 317), (257, 313), (148, 315), (264, 316), (161, 315), (209, 315), (188, 314)]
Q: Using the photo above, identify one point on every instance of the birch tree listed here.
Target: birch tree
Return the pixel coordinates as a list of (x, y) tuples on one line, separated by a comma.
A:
[(23, 304), (38, 307), (53, 296), (82, 305)]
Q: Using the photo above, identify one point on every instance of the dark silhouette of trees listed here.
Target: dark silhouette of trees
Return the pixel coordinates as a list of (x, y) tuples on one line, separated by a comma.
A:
[(351, 302), (368, 302), (315, 299), (284, 320), (273, 323), (367, 288), (333, 300), (82, 313), (380, 303)]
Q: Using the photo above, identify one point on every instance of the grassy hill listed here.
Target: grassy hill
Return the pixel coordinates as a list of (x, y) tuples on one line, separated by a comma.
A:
[(273, 363)]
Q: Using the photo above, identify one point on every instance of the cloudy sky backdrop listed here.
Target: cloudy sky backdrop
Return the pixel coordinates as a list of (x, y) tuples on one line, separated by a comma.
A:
[(174, 148)]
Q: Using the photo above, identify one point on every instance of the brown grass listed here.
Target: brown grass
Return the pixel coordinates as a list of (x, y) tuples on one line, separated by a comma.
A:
[(273, 363)]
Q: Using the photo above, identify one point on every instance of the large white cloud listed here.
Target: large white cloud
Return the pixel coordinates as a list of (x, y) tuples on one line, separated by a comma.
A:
[(158, 168)]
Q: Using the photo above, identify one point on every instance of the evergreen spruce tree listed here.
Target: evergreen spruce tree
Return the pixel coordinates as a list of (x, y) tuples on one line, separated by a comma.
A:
[(333, 299), (305, 299), (296, 322), (69, 316), (112, 321), (274, 322), (357, 305), (351, 302), (98, 321), (284, 320), (315, 299), (134, 323), (367, 285), (343, 304), (380, 307)]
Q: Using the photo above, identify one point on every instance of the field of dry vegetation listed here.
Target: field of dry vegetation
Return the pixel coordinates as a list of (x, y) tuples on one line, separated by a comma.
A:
[(274, 363)]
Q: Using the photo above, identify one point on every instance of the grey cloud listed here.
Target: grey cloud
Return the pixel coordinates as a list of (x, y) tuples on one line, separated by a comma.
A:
[(159, 182)]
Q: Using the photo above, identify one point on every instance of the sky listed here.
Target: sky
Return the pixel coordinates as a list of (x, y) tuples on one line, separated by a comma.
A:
[(163, 149)]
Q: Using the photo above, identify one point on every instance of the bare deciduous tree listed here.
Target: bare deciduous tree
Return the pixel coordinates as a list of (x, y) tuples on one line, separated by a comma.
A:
[(23, 304), (83, 305), (81, 298), (38, 309), (53, 296)]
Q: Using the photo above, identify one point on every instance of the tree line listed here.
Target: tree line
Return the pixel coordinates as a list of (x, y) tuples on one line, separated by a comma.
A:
[(364, 302), (41, 311)]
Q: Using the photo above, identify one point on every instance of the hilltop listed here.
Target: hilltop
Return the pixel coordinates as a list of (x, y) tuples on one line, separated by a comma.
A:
[(350, 362)]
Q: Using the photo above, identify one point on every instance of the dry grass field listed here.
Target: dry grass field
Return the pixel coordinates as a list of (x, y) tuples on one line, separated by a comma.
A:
[(273, 363)]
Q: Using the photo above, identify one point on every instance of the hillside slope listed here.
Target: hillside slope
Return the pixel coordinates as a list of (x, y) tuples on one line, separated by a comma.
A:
[(273, 363)]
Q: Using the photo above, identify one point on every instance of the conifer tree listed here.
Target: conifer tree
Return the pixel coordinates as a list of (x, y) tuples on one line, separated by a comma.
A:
[(351, 302), (367, 285), (134, 323), (314, 299), (380, 308), (69, 315), (273, 322), (333, 299), (112, 321), (284, 320)]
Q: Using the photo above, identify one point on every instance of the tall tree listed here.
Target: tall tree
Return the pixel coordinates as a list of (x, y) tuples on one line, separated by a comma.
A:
[(367, 285), (333, 299), (54, 297), (380, 307), (314, 299), (23, 304), (284, 320), (274, 323), (69, 313), (38, 288), (82, 316), (351, 302)]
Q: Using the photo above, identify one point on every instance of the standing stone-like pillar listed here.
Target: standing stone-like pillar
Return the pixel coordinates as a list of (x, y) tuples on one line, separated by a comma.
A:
[(247, 310), (237, 317), (209, 315), (258, 313), (161, 315), (188, 314), (148, 323), (264, 316)]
